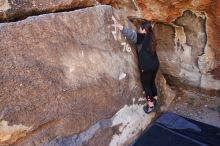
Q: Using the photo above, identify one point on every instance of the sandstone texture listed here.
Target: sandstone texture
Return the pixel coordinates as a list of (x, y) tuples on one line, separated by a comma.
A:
[(71, 78), (12, 10), (188, 34), (68, 76), (194, 39), (62, 73)]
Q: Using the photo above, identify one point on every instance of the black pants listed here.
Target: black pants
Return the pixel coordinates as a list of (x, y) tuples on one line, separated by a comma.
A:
[(148, 83)]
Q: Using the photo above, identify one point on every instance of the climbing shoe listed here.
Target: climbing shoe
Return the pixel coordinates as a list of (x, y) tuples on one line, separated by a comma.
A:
[(147, 109)]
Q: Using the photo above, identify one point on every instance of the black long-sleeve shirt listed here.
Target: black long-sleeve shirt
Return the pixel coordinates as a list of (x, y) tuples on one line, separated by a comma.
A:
[(147, 61)]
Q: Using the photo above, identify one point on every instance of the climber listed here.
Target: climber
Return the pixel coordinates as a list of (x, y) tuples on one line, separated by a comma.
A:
[(147, 59)]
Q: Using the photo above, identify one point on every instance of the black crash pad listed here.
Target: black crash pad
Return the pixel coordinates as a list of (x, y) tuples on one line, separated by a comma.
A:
[(173, 130)]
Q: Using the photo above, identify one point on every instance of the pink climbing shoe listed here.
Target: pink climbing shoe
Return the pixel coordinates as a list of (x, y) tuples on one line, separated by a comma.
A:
[(147, 109)]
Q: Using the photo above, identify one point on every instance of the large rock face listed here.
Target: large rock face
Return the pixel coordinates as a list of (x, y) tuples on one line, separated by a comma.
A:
[(179, 50), (67, 72)]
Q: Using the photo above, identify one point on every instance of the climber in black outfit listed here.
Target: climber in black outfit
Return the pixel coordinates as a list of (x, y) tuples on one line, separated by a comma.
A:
[(147, 59)]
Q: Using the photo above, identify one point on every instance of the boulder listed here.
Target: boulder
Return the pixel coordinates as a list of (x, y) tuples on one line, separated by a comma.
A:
[(12, 10), (67, 75)]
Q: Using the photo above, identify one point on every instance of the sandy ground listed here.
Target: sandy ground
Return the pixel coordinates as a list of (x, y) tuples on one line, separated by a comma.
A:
[(197, 106)]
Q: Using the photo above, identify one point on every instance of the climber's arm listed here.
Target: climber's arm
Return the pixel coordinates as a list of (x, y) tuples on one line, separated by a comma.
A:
[(129, 34)]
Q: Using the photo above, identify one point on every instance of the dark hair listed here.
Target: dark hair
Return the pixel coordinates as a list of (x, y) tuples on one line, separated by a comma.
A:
[(147, 26)]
